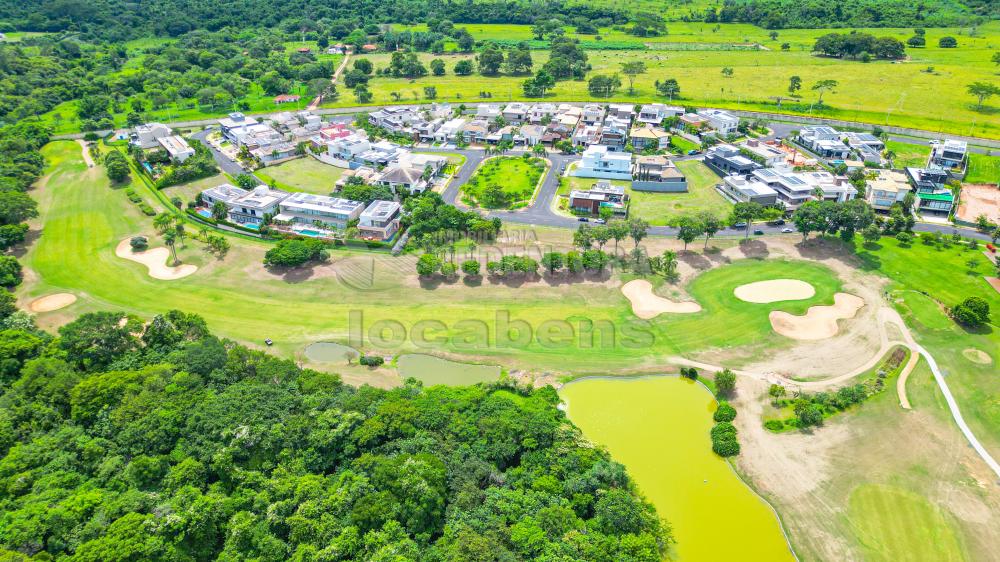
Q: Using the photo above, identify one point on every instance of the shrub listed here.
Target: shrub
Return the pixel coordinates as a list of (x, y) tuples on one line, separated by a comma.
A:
[(723, 430), (725, 382), (139, 243), (428, 264), (726, 447), (147, 210), (448, 269), (295, 252), (724, 413), (774, 425), (470, 267), (371, 360), (690, 373), (973, 311)]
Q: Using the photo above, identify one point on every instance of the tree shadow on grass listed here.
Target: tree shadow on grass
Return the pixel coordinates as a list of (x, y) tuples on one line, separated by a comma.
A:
[(694, 260), (293, 275), (752, 248)]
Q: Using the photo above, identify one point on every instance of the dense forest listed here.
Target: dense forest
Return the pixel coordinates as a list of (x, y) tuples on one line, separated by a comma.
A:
[(121, 440), (117, 20)]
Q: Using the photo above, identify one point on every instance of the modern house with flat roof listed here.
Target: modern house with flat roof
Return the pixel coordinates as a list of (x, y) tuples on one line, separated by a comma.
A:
[(599, 162), (766, 154), (601, 195), (176, 147), (380, 220), (726, 159), (657, 173), (234, 121), (655, 113), (516, 113), (251, 208), (795, 188), (723, 122), (931, 189), (824, 142), (746, 190), (948, 155), (592, 113), (224, 193), (886, 189), (311, 209), (450, 130)]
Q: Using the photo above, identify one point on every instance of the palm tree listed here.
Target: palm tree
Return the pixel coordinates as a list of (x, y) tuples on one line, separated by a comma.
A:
[(890, 155), (163, 222), (170, 238)]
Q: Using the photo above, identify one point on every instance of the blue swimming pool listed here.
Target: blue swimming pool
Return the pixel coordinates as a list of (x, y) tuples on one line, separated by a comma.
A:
[(251, 225), (313, 233), (205, 213)]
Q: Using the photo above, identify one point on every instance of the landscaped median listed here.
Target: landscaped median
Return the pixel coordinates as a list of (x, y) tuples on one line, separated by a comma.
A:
[(505, 182)]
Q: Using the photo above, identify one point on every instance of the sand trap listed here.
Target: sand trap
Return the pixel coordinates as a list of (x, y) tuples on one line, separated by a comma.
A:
[(646, 305), (48, 303), (977, 356), (819, 322), (774, 290), (156, 260)]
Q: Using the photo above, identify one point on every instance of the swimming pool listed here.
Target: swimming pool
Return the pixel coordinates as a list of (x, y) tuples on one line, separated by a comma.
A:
[(251, 225), (205, 213), (313, 233)]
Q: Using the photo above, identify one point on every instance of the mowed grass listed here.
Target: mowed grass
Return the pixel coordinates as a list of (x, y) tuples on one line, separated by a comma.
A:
[(660, 209), (302, 174), (84, 219), (908, 155), (189, 191), (928, 91), (893, 524), (516, 176), (944, 275), (982, 169)]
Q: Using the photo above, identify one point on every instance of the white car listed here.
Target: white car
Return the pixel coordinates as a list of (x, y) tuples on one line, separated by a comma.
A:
[(787, 230)]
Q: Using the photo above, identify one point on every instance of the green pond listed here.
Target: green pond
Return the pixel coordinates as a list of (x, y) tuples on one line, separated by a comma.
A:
[(658, 428), (433, 370), (329, 352)]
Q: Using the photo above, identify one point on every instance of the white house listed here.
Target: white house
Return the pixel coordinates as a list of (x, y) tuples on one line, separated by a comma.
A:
[(234, 121), (887, 188), (148, 135), (655, 113), (795, 188), (487, 111), (599, 162), (824, 141), (516, 113), (176, 147), (592, 113), (349, 147), (251, 208), (722, 121), (224, 193), (308, 208), (769, 156), (380, 220), (950, 154), (450, 130)]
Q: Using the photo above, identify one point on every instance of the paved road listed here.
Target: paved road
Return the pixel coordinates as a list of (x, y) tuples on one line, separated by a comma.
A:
[(228, 166)]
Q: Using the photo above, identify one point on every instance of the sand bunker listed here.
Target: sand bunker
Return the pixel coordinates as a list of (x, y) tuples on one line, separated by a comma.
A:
[(774, 290), (646, 305), (156, 260), (977, 356), (819, 322), (48, 303)]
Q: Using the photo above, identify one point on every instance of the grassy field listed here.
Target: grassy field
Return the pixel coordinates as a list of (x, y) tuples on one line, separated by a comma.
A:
[(661, 208), (517, 177), (908, 155), (890, 521), (927, 91), (983, 169), (302, 174), (84, 219)]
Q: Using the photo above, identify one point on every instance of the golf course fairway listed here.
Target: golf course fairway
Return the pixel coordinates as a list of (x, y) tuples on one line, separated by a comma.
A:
[(658, 427)]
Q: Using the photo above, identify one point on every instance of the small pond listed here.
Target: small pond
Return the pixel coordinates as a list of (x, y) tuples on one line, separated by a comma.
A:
[(329, 352), (433, 370), (658, 427)]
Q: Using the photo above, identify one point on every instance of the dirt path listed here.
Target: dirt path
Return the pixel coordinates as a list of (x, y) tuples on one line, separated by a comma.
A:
[(903, 376), (333, 80), (85, 151)]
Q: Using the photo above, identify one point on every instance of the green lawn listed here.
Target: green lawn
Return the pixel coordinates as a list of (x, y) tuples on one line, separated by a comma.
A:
[(908, 155), (516, 177), (188, 191), (895, 524), (983, 169), (302, 174), (660, 208)]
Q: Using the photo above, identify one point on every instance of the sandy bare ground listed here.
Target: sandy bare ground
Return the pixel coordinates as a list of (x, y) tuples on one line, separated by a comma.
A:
[(646, 305), (979, 199), (85, 152), (155, 259), (977, 356), (904, 376), (819, 322), (48, 303), (774, 290)]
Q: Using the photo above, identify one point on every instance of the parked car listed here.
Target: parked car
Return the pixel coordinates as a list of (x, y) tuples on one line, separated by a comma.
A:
[(758, 232), (740, 225), (778, 222), (583, 219), (787, 230), (600, 221), (693, 151)]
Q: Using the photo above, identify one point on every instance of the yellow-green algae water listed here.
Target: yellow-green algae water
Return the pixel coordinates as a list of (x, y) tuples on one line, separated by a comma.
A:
[(658, 427)]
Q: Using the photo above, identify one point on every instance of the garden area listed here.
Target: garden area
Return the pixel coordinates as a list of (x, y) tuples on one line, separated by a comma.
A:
[(504, 182)]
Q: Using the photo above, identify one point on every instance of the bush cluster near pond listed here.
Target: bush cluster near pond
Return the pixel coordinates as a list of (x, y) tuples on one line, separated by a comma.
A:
[(504, 183)]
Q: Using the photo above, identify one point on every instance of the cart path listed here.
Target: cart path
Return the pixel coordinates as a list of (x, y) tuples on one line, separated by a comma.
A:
[(85, 152), (333, 80)]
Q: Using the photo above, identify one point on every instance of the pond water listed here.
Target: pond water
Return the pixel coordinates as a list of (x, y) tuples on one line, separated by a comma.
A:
[(329, 352), (658, 427), (433, 370)]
